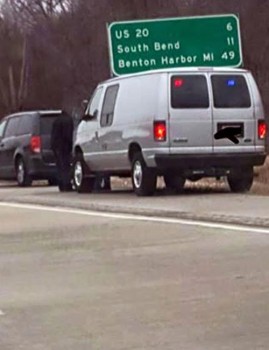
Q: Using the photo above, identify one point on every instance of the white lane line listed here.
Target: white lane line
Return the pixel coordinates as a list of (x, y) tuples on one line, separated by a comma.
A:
[(208, 224), (2, 313)]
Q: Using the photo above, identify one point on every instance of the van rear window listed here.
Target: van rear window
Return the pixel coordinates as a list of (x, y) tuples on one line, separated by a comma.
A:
[(230, 91), (46, 122), (189, 91)]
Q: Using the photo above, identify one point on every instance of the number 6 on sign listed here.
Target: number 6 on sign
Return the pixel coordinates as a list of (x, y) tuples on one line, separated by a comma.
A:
[(229, 27)]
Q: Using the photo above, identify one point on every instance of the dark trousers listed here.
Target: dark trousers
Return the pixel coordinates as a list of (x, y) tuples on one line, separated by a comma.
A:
[(63, 164)]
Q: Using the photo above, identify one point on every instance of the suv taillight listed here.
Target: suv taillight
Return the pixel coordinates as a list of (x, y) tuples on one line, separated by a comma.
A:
[(262, 129), (35, 144), (159, 130)]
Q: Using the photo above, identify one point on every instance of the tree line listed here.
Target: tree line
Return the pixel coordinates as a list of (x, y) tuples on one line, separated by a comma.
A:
[(54, 52)]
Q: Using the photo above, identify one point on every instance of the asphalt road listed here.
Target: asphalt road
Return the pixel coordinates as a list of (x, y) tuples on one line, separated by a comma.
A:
[(73, 279), (215, 204)]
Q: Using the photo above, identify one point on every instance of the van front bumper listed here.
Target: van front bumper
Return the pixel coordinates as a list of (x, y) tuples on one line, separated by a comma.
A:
[(206, 161)]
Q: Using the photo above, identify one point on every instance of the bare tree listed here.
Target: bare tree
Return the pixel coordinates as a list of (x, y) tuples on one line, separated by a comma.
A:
[(32, 11), (11, 57), (58, 49)]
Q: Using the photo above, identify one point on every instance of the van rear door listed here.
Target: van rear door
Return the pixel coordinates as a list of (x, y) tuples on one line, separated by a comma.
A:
[(233, 109), (190, 117)]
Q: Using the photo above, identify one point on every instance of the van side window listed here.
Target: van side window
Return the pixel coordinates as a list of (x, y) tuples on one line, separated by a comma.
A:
[(25, 125), (230, 91), (189, 91), (109, 104), (94, 102), (12, 127), (2, 128)]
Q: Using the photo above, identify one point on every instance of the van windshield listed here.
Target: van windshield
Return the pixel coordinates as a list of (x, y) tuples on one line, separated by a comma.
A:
[(189, 91), (230, 91)]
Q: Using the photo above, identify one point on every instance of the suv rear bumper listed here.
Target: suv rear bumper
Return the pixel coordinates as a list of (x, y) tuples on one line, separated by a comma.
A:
[(39, 170), (206, 161)]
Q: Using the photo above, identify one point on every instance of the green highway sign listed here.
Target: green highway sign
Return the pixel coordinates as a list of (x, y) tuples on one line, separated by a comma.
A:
[(137, 46)]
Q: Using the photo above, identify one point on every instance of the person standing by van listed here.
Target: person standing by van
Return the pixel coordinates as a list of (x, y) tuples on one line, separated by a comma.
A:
[(61, 144)]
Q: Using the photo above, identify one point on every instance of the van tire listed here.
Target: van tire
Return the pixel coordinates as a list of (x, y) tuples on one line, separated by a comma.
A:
[(144, 179), (174, 183), (22, 176), (82, 183), (240, 180)]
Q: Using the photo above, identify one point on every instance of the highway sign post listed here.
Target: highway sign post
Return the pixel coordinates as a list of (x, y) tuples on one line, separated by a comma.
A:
[(136, 46)]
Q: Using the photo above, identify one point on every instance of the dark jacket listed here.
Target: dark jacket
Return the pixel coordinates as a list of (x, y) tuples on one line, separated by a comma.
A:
[(62, 134)]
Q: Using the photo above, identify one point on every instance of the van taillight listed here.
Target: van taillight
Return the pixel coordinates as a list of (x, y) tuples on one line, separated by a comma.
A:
[(159, 128), (35, 144), (262, 129)]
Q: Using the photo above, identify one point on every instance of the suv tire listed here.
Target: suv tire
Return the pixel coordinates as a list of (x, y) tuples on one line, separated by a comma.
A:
[(22, 176), (240, 180), (143, 178), (82, 183)]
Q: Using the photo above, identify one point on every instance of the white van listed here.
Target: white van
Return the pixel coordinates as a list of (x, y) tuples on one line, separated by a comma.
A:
[(176, 123)]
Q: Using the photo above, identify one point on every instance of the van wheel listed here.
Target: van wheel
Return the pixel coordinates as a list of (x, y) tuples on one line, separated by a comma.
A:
[(240, 180), (174, 183), (22, 176), (143, 178), (82, 184)]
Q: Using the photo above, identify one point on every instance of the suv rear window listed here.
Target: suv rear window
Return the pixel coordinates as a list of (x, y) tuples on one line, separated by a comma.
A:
[(46, 122), (189, 91), (230, 91)]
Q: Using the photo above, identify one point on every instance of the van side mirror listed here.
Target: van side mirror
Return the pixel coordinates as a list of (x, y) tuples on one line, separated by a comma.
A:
[(84, 104), (88, 117)]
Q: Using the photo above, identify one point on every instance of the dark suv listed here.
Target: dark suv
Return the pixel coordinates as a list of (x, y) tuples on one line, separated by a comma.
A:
[(25, 152)]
